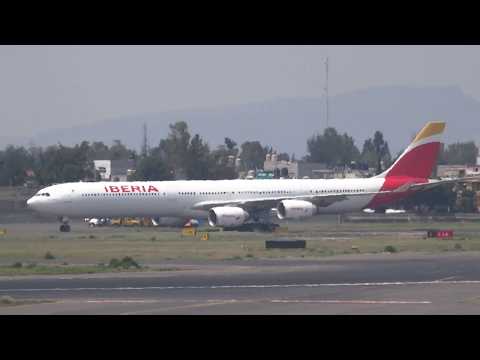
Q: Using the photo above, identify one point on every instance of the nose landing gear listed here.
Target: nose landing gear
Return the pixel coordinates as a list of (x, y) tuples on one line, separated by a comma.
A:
[(65, 227)]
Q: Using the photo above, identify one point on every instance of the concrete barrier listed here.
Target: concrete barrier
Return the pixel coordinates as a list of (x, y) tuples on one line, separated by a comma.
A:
[(285, 244)]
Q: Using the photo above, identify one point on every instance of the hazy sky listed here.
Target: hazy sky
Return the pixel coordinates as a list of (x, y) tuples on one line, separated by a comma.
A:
[(59, 86)]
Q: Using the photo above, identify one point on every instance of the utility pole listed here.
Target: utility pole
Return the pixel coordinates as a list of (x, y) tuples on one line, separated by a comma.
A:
[(326, 90)]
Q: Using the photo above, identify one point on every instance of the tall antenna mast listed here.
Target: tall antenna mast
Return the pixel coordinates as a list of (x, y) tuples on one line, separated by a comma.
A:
[(326, 89), (145, 141)]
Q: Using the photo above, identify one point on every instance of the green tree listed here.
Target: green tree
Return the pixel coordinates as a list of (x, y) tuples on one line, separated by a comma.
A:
[(198, 159), (332, 148), (58, 164), (220, 165), (376, 152), (231, 146), (460, 153), (174, 149), (253, 155), (14, 161), (152, 168), (118, 151), (99, 151)]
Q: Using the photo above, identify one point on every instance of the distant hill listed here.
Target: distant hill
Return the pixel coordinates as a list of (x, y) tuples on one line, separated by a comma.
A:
[(286, 123)]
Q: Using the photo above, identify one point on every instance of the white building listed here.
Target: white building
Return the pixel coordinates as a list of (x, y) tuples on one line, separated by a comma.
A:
[(114, 170), (104, 169)]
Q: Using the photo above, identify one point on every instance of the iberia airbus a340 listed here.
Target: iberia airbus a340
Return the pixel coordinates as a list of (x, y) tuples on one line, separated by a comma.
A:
[(230, 203)]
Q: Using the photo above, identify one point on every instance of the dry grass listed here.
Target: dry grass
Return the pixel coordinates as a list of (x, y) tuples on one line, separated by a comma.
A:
[(85, 246)]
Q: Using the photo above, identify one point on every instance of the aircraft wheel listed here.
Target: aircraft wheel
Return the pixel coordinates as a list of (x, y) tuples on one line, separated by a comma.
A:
[(65, 228)]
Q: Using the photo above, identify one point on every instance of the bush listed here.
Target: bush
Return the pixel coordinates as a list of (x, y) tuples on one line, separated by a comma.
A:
[(7, 300), (17, 265), (390, 249), (126, 263), (31, 265), (458, 246), (49, 256), (114, 263), (91, 237)]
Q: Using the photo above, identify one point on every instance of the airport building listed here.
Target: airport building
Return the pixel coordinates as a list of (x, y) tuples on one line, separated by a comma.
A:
[(114, 170), (457, 171), (302, 169)]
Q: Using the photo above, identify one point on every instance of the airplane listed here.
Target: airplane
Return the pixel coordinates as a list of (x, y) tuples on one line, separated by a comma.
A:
[(232, 203)]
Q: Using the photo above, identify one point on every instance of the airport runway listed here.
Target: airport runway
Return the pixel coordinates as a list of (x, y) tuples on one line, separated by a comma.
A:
[(358, 284)]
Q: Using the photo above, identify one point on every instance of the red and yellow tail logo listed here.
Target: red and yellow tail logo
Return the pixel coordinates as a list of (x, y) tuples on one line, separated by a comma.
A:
[(419, 158)]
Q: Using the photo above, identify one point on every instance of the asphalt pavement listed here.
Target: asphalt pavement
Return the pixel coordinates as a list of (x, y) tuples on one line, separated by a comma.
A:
[(353, 284)]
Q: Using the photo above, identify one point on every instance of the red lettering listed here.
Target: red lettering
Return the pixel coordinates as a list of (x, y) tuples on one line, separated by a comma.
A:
[(106, 189), (124, 188), (136, 188), (114, 189), (152, 188), (143, 188)]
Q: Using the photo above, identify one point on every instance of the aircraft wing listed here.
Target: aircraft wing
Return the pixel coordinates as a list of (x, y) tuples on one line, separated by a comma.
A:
[(323, 200), (434, 183)]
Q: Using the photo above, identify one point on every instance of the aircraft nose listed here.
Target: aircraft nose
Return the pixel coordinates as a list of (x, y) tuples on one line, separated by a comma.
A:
[(30, 203)]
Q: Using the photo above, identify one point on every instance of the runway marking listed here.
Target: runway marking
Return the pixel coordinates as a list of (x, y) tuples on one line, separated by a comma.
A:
[(121, 301), (272, 286), (178, 307), (376, 302)]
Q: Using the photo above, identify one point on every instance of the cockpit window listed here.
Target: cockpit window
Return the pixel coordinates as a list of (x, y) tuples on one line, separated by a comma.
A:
[(42, 194)]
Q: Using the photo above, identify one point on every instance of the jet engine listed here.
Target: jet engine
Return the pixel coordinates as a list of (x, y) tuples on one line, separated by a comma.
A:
[(227, 216), (295, 209)]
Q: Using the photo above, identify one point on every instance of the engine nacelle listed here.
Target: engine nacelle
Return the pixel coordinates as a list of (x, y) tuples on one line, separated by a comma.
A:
[(227, 216), (295, 209)]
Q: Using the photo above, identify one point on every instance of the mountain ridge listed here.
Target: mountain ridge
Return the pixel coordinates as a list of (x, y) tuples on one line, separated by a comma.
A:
[(287, 122)]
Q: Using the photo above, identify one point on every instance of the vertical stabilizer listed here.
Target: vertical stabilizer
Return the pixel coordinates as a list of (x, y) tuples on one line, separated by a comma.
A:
[(420, 156)]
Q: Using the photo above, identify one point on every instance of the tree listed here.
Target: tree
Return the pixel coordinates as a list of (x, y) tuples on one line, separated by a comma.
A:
[(197, 162), (459, 154), (231, 145), (98, 151), (332, 148), (219, 165), (14, 161), (174, 149), (118, 151), (152, 168), (253, 155), (376, 152)]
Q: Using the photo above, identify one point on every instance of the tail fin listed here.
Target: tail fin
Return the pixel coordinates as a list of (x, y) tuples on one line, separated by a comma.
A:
[(420, 156)]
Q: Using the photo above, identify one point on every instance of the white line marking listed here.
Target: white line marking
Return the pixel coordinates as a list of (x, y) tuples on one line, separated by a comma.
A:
[(122, 301), (127, 288), (389, 302)]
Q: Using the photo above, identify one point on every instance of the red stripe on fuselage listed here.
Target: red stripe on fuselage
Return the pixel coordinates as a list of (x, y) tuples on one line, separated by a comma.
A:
[(390, 184)]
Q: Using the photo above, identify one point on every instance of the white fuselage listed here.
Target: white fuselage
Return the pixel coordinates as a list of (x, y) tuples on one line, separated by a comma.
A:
[(176, 198)]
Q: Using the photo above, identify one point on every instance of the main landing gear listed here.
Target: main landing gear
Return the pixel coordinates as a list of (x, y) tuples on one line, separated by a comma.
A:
[(65, 227)]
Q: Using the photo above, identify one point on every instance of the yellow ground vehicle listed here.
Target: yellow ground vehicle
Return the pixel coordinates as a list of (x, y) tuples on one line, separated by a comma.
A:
[(129, 221), (116, 222), (132, 222)]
